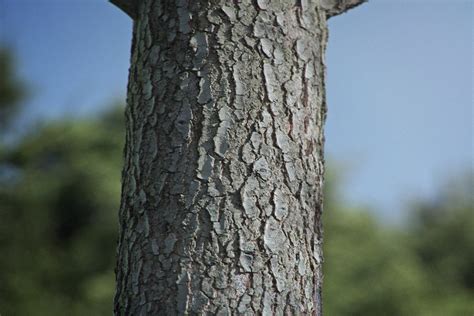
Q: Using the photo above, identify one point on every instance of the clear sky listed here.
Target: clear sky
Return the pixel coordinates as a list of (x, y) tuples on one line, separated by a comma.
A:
[(399, 86)]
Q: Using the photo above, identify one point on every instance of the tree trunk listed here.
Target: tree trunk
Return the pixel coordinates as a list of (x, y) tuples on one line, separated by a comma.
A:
[(222, 183)]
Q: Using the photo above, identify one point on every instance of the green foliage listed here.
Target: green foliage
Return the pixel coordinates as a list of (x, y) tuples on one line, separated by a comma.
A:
[(368, 271), (59, 196), (443, 241), (423, 269)]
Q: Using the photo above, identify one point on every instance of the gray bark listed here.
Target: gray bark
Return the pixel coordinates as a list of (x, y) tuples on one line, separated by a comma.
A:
[(222, 183)]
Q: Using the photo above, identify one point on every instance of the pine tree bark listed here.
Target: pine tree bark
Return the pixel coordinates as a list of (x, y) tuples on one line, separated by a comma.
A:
[(222, 184)]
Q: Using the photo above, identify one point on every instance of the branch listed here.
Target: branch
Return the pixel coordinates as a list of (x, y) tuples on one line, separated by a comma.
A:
[(336, 7), (127, 6)]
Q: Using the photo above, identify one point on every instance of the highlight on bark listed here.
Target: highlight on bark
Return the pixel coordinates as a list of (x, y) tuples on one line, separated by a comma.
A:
[(224, 158)]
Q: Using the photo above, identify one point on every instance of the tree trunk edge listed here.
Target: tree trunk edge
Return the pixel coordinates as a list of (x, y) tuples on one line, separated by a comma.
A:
[(239, 121)]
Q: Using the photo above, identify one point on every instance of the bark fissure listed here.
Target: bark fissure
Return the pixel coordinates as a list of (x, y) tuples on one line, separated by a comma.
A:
[(222, 183)]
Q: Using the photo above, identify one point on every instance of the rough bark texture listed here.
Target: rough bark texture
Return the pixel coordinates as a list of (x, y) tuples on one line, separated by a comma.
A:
[(222, 184)]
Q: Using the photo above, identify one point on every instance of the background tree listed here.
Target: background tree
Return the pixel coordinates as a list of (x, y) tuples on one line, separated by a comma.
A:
[(222, 185), (419, 268), (442, 239), (58, 228), (12, 89)]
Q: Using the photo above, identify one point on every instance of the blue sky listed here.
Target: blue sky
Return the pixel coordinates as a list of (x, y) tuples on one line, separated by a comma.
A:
[(399, 85)]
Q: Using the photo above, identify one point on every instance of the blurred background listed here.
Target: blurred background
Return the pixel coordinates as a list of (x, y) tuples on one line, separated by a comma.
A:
[(399, 221)]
